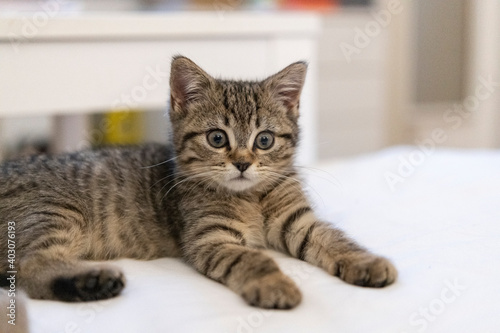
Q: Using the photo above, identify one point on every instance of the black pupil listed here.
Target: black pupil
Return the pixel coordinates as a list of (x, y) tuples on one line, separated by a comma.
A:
[(264, 140), (218, 138)]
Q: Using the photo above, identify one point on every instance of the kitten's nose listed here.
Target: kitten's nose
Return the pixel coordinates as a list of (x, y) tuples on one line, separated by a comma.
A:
[(241, 166)]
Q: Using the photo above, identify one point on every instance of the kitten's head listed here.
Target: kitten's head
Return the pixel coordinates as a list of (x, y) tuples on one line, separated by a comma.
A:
[(234, 134)]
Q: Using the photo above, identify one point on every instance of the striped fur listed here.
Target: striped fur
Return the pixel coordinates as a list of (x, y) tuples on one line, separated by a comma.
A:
[(189, 200)]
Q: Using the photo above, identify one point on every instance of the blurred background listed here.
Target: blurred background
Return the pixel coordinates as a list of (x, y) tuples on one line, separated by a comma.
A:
[(86, 73)]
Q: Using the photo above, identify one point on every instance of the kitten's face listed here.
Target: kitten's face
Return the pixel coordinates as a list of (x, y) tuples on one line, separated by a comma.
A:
[(232, 134)]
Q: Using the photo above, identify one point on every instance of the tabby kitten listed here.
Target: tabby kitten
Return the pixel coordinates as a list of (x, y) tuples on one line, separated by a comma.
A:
[(226, 190)]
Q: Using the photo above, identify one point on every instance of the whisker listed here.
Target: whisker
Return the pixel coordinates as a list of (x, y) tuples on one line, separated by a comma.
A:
[(154, 165), (176, 177), (299, 184), (334, 180), (183, 181), (162, 179), (205, 179)]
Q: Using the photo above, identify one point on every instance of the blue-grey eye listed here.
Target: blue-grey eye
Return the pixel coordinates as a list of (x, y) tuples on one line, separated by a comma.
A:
[(217, 138), (264, 140)]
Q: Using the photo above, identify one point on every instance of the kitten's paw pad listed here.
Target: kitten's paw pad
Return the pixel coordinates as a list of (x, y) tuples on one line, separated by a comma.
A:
[(97, 284), (367, 271), (274, 291)]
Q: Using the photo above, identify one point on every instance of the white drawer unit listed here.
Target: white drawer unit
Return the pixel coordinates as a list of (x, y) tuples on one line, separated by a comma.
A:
[(74, 65)]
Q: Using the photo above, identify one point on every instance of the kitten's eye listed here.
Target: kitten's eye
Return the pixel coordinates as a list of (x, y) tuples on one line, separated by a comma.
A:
[(217, 138), (264, 140)]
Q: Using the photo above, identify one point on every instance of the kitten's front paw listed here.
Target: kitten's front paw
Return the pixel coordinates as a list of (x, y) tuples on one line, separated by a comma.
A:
[(93, 285), (274, 291), (366, 270)]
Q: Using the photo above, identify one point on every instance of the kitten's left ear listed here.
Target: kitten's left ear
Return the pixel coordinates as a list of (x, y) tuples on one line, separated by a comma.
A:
[(286, 85)]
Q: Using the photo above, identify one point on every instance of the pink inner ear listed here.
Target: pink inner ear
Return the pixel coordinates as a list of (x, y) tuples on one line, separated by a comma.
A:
[(289, 96), (180, 89), (287, 84), (187, 82)]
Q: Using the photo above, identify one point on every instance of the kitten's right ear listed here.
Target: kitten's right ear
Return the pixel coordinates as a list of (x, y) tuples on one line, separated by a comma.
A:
[(188, 82)]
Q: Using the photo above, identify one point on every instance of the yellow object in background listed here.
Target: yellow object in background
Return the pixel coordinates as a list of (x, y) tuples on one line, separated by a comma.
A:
[(124, 127)]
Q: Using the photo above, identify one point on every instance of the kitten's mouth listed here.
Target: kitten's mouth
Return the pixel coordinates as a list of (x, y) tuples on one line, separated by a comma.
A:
[(240, 183), (241, 179)]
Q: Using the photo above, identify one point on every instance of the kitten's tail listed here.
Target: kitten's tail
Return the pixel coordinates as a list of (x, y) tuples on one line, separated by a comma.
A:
[(13, 315)]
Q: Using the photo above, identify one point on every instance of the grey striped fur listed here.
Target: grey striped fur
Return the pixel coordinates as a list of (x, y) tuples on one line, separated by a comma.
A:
[(189, 199)]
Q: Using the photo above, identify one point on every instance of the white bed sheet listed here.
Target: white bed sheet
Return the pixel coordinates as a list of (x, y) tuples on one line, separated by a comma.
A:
[(440, 227)]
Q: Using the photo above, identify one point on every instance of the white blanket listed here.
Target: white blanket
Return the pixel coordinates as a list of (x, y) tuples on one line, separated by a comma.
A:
[(435, 215)]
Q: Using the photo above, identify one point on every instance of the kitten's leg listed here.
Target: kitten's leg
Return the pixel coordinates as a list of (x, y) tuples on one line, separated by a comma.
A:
[(218, 251), (50, 246), (52, 274), (292, 227)]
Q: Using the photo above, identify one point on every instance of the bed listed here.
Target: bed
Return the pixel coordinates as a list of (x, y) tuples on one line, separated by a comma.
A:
[(434, 213)]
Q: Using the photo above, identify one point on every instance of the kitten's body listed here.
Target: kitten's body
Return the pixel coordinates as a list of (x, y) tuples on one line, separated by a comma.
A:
[(226, 189)]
